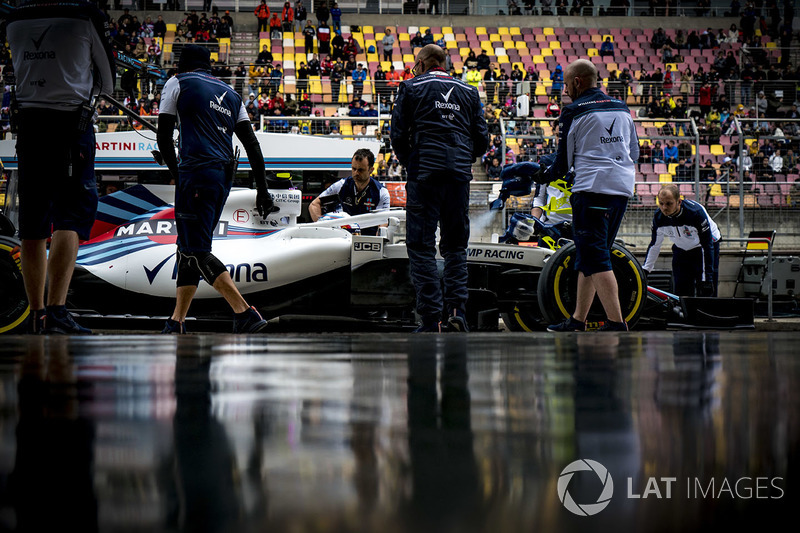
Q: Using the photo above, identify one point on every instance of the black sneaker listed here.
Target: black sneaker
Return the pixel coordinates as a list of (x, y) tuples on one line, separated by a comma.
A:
[(613, 326), (569, 324), (36, 326), (429, 325), (173, 326), (248, 322), (457, 321), (59, 321)]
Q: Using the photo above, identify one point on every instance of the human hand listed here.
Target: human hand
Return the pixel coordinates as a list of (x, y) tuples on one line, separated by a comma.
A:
[(264, 203)]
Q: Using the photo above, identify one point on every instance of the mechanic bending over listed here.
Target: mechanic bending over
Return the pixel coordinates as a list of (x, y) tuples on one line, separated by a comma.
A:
[(210, 112), (695, 249), (62, 59), (598, 142), (438, 131), (355, 195)]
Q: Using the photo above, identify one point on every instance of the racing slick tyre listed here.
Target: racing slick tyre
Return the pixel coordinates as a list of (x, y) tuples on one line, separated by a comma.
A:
[(558, 284), (14, 308), (524, 317)]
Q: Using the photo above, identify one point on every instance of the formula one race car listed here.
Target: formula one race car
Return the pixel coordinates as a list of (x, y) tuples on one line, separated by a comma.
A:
[(319, 270)]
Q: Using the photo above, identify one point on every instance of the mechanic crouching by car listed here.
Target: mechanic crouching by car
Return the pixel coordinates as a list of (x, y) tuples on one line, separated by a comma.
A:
[(355, 195), (437, 132), (695, 249), (210, 113)]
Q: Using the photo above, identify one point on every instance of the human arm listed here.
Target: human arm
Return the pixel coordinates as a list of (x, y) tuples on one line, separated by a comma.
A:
[(166, 128), (480, 130), (400, 132), (654, 248)]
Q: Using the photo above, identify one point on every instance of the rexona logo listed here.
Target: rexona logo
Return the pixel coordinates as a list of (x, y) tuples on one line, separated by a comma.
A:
[(611, 138), (446, 104), (216, 106), (587, 509)]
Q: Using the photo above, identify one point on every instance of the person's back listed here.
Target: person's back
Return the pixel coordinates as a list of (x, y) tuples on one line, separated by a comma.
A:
[(448, 145)]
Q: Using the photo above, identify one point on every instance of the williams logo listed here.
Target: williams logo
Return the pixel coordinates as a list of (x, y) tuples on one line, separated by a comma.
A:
[(585, 509), (611, 138)]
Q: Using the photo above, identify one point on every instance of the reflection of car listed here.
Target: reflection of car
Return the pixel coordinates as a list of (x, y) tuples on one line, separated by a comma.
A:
[(286, 268)]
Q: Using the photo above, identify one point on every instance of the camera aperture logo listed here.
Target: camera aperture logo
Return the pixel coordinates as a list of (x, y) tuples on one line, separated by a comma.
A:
[(586, 509)]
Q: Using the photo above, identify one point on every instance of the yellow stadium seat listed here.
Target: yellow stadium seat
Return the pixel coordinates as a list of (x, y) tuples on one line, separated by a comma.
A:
[(503, 60), (262, 42), (546, 52), (717, 149), (665, 178), (277, 56), (408, 58), (555, 45), (172, 27), (515, 31), (386, 65), (314, 84), (451, 45), (548, 31), (540, 90), (771, 44), (487, 45), (438, 36), (608, 36), (671, 167), (694, 149), (480, 30), (503, 31), (538, 59), (447, 29), (368, 29), (592, 52), (517, 64), (464, 51)]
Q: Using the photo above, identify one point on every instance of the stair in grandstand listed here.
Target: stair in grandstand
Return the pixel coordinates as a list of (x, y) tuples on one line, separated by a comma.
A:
[(244, 47)]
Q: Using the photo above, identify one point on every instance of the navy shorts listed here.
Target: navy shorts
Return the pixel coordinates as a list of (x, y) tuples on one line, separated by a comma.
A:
[(199, 199), (57, 185), (595, 221)]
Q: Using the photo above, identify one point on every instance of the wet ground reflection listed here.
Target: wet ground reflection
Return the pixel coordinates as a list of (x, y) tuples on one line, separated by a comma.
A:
[(399, 432)]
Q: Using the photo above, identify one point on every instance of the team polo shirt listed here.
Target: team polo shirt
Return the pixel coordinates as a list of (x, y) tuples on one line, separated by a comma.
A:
[(208, 111)]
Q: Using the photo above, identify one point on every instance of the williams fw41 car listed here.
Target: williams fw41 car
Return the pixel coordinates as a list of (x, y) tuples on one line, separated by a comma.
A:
[(312, 275)]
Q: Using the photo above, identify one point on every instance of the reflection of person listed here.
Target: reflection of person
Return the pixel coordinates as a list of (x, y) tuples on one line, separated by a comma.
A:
[(598, 141), (58, 190), (695, 249), (437, 132), (357, 194), (210, 114)]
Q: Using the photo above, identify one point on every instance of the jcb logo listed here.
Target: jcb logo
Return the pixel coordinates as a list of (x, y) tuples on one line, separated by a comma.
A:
[(367, 247)]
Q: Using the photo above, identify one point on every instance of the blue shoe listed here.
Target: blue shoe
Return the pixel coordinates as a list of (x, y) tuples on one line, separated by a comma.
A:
[(248, 322), (569, 324), (36, 326), (59, 321), (457, 321), (173, 326), (614, 326)]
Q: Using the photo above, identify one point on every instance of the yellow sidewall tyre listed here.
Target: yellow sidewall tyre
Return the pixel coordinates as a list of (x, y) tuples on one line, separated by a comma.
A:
[(14, 308)]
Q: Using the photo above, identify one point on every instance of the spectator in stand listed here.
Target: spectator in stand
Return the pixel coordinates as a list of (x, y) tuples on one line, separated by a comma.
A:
[(314, 66), (645, 152), (351, 47), (428, 37), (309, 33), (658, 40), (337, 46), (553, 109), (388, 45), (705, 93), (393, 80), (473, 76), (407, 74), (154, 52), (671, 152), (489, 84), (300, 16), (336, 17), (557, 77), (324, 37), (301, 83), (275, 26), (776, 162), (287, 16), (379, 79), (685, 170), (327, 64), (275, 78), (494, 170), (262, 14), (470, 61), (359, 75), (707, 172), (658, 153), (483, 60), (416, 41), (323, 14), (159, 27), (607, 48), (264, 56), (337, 75)]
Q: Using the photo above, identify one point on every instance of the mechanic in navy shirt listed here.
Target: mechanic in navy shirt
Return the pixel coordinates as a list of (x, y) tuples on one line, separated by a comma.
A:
[(62, 59), (598, 142), (437, 132), (209, 113), (357, 194), (695, 249)]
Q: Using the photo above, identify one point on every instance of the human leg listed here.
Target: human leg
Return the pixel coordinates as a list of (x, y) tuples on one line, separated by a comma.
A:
[(60, 265), (422, 217), (34, 270), (454, 224)]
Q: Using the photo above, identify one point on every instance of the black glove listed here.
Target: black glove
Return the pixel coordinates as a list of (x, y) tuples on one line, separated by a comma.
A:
[(706, 289), (540, 177), (264, 203)]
